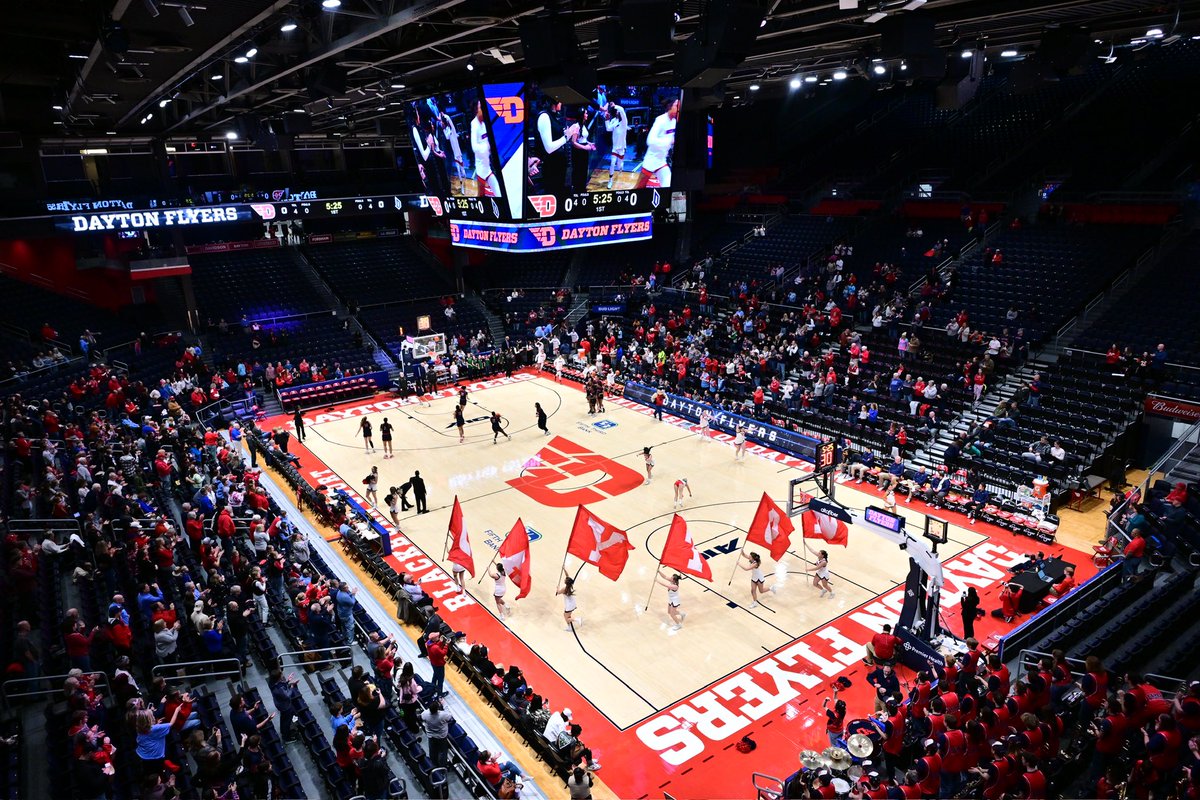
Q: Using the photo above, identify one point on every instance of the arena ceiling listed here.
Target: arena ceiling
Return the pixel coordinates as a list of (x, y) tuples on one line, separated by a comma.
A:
[(174, 68)]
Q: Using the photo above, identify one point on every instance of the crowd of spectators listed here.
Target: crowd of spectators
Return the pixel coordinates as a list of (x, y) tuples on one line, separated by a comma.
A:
[(972, 729)]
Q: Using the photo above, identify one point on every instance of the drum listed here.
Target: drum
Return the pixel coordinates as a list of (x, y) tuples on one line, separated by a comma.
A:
[(842, 787)]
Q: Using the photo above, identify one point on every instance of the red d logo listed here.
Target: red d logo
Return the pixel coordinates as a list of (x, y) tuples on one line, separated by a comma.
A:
[(586, 477)]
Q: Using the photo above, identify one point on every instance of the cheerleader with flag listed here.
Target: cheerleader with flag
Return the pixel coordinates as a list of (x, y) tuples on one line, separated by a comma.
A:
[(458, 547)]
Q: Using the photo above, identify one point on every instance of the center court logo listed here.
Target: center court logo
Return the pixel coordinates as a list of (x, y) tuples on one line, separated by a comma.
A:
[(559, 462)]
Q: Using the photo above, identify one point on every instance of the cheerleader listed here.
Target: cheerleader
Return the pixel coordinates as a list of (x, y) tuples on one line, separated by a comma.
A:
[(460, 423), (680, 486), (672, 586), (559, 363), (739, 443), (498, 592), (820, 571), (889, 501), (567, 590), (649, 459), (456, 572), (540, 358), (758, 581), (705, 421)]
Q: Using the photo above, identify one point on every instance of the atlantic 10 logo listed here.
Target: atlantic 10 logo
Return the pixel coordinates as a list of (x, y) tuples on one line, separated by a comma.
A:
[(545, 204)]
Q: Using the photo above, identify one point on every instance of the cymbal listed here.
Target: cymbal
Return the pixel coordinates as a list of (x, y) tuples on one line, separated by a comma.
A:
[(811, 759), (837, 758), (860, 745)]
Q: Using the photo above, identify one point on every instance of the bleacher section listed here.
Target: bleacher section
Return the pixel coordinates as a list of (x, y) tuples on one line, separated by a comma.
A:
[(377, 271), (1046, 274), (257, 284), (1171, 320), (29, 307), (789, 242)]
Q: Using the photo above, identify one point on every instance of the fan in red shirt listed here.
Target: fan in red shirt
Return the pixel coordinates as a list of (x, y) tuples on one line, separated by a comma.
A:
[(882, 646)]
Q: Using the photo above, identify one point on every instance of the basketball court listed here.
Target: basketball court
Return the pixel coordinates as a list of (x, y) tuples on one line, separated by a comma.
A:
[(655, 703)]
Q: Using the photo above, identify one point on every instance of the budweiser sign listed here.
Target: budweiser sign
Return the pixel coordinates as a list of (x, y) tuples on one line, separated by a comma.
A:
[(1175, 409)]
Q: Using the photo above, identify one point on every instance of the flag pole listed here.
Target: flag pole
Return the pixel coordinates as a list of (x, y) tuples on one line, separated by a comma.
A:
[(737, 563), (653, 582), (489, 564), (446, 549)]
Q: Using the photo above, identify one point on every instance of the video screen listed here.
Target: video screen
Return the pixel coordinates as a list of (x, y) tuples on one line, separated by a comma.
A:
[(611, 153), (467, 148)]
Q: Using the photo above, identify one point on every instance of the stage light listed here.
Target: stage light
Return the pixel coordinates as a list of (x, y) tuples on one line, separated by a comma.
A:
[(231, 135), (1008, 53), (1154, 33), (381, 108), (754, 87), (840, 75), (810, 79), (968, 53), (794, 83), (1196, 38), (398, 86), (252, 52), (82, 57), (880, 69), (240, 60), (163, 103), (471, 64), (330, 4), (217, 77), (763, 24), (288, 26), (903, 66), (57, 108)]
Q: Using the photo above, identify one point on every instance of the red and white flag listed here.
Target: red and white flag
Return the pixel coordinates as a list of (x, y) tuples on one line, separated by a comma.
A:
[(514, 555), (771, 528), (825, 526), (680, 552), (460, 543), (595, 541)]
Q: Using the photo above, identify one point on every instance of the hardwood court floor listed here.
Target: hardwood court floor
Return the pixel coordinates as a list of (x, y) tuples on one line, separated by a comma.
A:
[(627, 675)]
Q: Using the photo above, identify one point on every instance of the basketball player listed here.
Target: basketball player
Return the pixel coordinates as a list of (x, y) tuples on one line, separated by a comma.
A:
[(616, 123), (680, 486), (649, 459), (364, 426), (541, 419), (705, 421), (610, 383), (497, 430), (889, 500), (551, 148), (385, 436), (372, 484), (451, 134), (820, 571), (481, 146), (559, 363), (567, 590), (672, 585), (757, 579), (659, 142), (391, 500), (460, 423), (462, 396), (540, 358), (739, 442), (498, 592)]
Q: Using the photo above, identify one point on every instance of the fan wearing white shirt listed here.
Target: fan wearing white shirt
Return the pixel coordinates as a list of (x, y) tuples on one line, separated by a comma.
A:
[(659, 143), (489, 184), (616, 123)]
